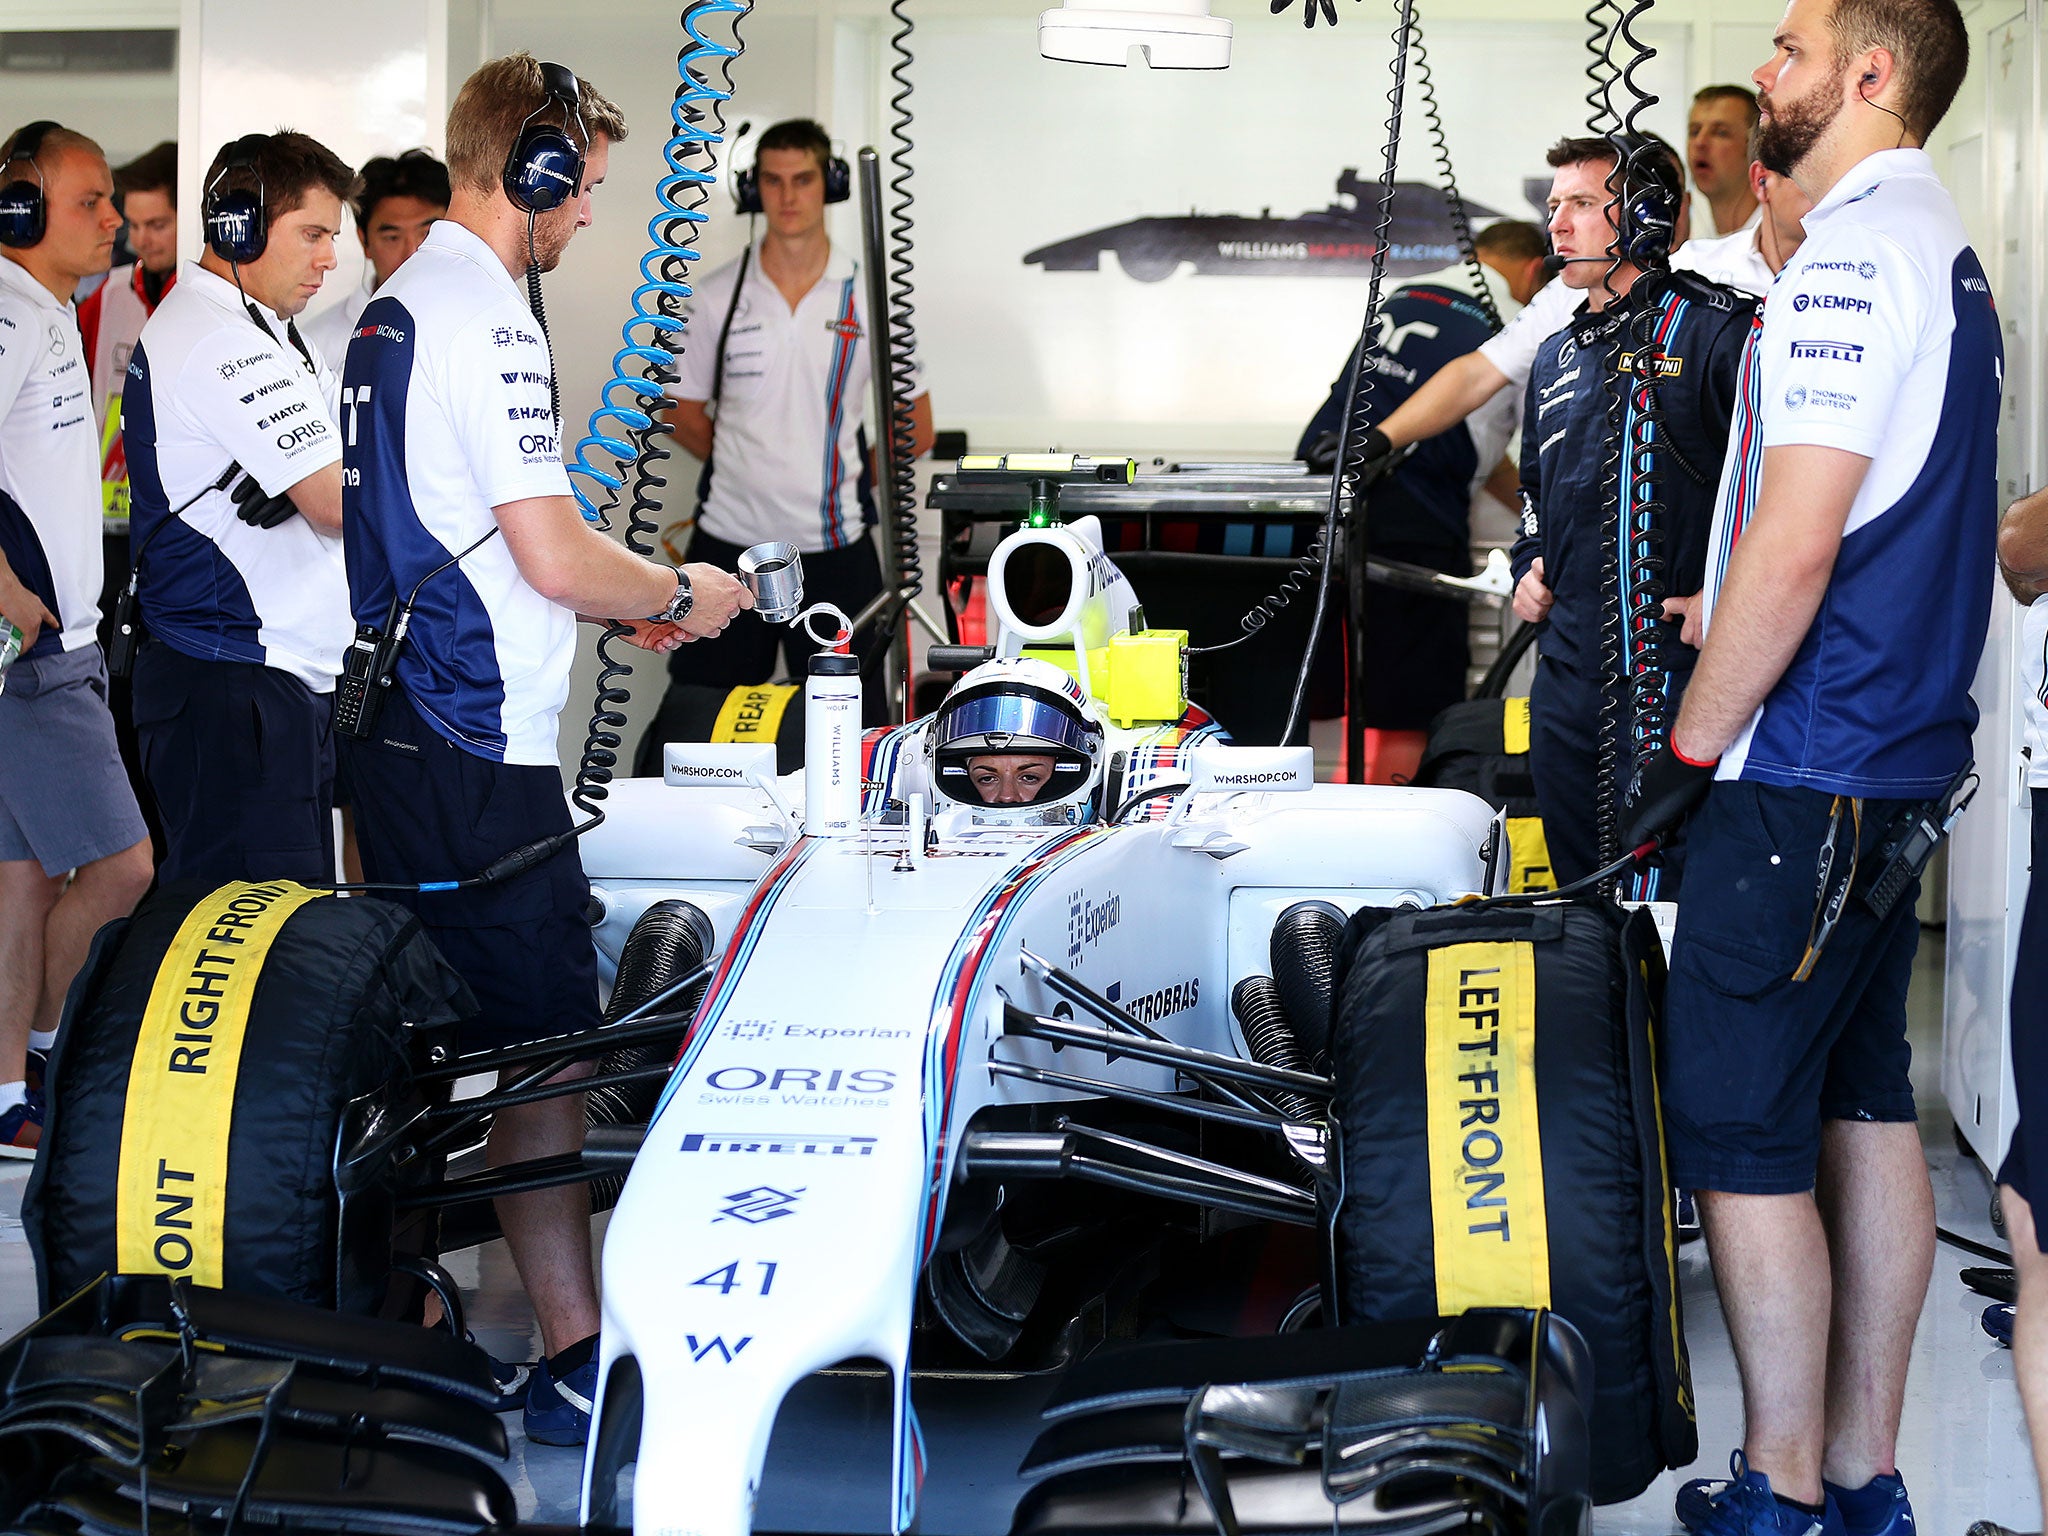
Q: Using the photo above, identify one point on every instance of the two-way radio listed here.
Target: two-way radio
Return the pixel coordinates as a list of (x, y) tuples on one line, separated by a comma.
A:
[(371, 660), (128, 633)]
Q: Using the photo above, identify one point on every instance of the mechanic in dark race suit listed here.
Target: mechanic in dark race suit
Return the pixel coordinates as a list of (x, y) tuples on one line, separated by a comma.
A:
[(1566, 553)]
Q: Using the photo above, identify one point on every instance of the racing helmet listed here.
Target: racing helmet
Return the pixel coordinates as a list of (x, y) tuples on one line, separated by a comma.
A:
[(1014, 733)]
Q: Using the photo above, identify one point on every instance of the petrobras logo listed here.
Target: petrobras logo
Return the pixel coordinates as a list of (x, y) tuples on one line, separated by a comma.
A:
[(1088, 921), (1863, 269), (1151, 1007), (1801, 302), (1830, 351)]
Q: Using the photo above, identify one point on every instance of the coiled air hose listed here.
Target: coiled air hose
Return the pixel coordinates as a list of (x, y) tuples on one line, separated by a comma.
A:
[(901, 329), (1269, 1039), (671, 939), (1454, 200), (1303, 952)]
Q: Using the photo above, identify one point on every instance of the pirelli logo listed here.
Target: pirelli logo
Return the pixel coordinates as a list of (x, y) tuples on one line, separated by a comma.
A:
[(1492, 1235), (171, 1193)]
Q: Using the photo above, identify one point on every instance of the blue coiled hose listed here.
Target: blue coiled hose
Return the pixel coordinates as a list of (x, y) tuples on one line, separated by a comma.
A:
[(624, 425)]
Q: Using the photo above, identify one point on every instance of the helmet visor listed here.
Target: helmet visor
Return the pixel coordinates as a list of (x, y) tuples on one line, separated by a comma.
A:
[(1013, 722)]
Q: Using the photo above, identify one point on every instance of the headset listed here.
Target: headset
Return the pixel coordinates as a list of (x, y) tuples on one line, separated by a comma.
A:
[(237, 229), (746, 185), (545, 168), (24, 205), (1651, 197)]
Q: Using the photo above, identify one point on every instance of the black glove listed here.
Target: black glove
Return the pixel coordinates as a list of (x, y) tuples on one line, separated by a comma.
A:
[(1376, 453), (1327, 7), (1670, 790), (256, 508)]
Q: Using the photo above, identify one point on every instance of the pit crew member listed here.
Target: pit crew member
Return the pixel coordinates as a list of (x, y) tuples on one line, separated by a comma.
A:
[(1686, 335), (770, 397), (1717, 134), (65, 803), (458, 506), (1846, 603), (236, 470), (2023, 561), (1419, 645), (398, 203)]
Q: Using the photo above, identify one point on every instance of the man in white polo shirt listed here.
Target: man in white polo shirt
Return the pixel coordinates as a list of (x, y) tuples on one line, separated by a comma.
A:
[(774, 379), (1848, 588), (235, 475), (65, 803), (460, 516)]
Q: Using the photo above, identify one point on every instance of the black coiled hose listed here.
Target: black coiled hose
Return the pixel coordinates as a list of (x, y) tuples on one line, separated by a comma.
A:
[(1269, 1038), (1454, 200), (902, 326), (671, 939), (1303, 951)]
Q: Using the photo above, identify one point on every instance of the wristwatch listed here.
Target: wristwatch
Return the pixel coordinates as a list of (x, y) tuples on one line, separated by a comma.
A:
[(679, 606)]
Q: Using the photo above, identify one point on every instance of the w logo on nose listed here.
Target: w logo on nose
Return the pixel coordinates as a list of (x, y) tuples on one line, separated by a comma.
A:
[(715, 1345)]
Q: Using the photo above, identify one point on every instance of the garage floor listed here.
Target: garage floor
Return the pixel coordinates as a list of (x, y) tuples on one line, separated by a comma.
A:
[(1963, 1452)]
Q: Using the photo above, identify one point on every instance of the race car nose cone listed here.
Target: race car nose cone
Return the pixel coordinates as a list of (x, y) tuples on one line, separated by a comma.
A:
[(1170, 34)]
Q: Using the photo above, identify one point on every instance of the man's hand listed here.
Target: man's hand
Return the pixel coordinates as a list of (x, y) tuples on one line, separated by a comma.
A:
[(257, 507), (1691, 613), (24, 610), (718, 596), (1671, 788), (659, 638), (1532, 597)]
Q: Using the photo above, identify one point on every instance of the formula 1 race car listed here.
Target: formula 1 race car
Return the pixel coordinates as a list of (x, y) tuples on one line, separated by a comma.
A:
[(1334, 241), (966, 1080)]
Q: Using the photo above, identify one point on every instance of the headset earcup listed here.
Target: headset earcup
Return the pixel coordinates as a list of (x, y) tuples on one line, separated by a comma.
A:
[(746, 192), (22, 214), (838, 180), (544, 171), (235, 227)]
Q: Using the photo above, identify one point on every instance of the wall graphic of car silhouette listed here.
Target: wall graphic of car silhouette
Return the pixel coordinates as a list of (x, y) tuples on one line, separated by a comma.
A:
[(1336, 241)]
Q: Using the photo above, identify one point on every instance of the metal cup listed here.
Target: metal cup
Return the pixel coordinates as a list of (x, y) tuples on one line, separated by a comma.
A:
[(774, 573)]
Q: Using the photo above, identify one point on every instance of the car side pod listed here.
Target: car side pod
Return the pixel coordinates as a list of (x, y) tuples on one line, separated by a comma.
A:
[(1333, 1427)]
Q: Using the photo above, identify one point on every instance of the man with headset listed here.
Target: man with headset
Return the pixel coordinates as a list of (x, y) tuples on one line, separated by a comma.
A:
[(235, 467), (400, 200), (1675, 340), (463, 536), (773, 383), (65, 803)]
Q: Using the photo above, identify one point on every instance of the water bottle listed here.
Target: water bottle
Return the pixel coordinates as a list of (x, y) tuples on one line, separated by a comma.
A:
[(832, 746), (10, 647)]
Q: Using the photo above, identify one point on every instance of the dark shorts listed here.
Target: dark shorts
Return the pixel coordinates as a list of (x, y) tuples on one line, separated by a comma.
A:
[(240, 761), (64, 797), (1564, 757), (1755, 1061), (425, 810), (2030, 1035), (1417, 647)]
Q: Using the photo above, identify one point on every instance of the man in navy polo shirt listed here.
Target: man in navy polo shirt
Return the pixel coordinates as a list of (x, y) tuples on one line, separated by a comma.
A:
[(458, 506), (1848, 587)]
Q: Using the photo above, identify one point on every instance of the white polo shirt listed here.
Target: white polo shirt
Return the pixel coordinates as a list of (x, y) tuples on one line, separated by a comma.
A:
[(1734, 260), (328, 332), (1878, 339), (446, 415), (786, 455), (49, 460), (209, 385)]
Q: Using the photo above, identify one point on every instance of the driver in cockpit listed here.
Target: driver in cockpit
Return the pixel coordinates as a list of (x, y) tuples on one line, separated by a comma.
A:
[(1018, 732)]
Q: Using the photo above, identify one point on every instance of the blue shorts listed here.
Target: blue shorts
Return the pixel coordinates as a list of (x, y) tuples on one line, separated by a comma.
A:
[(240, 762), (425, 810), (1755, 1061), (2030, 1036), (65, 800)]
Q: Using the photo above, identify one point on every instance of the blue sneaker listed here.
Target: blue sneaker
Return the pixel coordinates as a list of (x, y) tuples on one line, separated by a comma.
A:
[(21, 1127), (1997, 1316), (513, 1379), (1742, 1505), (558, 1412), (1879, 1508)]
